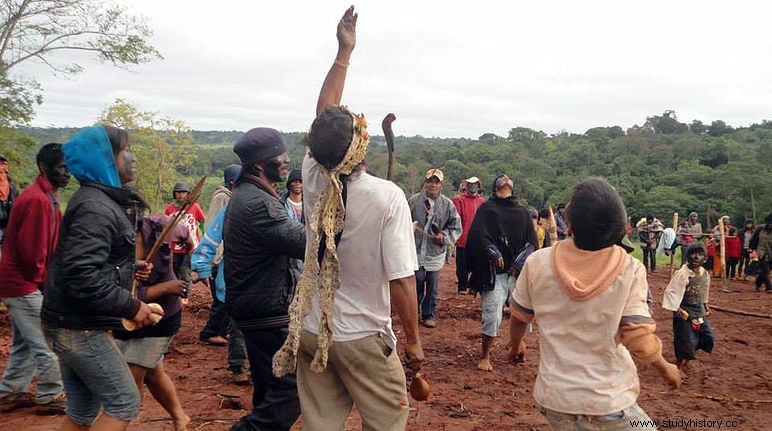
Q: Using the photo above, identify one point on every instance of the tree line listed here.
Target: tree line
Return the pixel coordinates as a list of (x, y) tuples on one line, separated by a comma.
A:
[(659, 167)]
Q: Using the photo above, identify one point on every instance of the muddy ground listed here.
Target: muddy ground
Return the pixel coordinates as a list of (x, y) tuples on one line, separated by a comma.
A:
[(734, 383)]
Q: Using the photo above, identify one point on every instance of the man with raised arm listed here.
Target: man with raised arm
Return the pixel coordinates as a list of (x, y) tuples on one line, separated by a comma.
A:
[(360, 258)]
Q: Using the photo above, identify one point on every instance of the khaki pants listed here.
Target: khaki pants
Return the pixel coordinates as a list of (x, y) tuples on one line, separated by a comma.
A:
[(366, 372)]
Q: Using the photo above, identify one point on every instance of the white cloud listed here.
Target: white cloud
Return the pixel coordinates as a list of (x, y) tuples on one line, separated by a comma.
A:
[(445, 68)]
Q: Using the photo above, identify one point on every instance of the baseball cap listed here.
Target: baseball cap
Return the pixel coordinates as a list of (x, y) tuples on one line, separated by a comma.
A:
[(434, 172), (2, 157), (472, 180)]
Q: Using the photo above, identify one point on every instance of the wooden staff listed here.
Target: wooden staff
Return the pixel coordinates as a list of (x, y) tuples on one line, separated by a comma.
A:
[(553, 227), (672, 254), (389, 135), (722, 253), (708, 215), (741, 312), (191, 199)]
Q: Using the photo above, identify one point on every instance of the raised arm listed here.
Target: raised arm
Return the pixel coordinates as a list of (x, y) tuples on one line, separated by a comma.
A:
[(332, 89)]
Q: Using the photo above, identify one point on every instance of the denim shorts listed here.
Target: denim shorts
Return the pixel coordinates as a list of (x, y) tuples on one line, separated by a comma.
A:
[(95, 375), (493, 303), (146, 352), (618, 421)]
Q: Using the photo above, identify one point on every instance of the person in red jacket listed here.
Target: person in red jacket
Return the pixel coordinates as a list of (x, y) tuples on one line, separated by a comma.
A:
[(30, 240), (466, 203), (194, 220), (733, 252)]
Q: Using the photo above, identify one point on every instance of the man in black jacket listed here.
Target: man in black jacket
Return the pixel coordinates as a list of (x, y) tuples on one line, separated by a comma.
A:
[(88, 286), (260, 239), (500, 239)]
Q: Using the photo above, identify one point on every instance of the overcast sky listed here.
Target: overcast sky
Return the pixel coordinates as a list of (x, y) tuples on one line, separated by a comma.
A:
[(447, 69)]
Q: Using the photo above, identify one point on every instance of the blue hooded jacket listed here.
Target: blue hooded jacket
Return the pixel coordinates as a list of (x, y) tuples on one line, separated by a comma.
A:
[(89, 157)]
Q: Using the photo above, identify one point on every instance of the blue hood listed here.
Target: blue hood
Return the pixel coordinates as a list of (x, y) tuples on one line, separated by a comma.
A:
[(89, 157)]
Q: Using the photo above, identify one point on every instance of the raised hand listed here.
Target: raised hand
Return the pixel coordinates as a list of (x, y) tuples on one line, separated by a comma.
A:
[(347, 29)]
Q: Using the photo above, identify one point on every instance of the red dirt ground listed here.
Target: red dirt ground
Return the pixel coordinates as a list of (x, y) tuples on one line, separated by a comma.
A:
[(734, 383)]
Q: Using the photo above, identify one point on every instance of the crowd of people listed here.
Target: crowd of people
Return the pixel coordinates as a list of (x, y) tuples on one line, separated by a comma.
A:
[(304, 283), (742, 257)]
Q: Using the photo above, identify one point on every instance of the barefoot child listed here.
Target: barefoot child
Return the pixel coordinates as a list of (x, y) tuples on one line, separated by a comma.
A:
[(144, 349), (687, 297), (589, 297)]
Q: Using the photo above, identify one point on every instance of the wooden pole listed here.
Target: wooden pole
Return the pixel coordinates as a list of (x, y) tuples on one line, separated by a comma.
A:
[(388, 134), (740, 312), (753, 207), (193, 196), (672, 254), (553, 227), (722, 254), (709, 221)]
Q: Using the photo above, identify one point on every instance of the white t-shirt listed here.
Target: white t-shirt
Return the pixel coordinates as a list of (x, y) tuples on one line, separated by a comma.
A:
[(296, 208), (583, 367), (376, 246), (674, 292)]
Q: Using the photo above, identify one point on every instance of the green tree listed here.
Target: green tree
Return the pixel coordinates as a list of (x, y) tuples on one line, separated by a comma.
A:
[(719, 128), (20, 150), (162, 145), (17, 100), (697, 127), (666, 124), (33, 30)]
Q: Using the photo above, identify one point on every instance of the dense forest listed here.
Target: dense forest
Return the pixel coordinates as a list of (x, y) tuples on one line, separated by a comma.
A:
[(659, 167)]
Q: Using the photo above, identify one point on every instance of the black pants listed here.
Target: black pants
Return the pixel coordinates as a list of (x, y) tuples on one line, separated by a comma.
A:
[(763, 277), (687, 340), (731, 266), (462, 274), (275, 402), (649, 257)]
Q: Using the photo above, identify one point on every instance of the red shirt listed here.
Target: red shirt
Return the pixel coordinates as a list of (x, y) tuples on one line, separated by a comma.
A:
[(197, 213), (30, 239), (733, 246), (466, 208)]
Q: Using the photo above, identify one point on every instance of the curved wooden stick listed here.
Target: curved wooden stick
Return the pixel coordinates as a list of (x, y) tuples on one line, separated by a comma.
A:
[(389, 135)]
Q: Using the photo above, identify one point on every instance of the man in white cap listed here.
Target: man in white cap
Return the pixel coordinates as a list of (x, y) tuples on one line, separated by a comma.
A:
[(437, 225), (466, 204)]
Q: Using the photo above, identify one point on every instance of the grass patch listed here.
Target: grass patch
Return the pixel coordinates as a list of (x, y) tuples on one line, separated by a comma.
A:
[(662, 260)]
